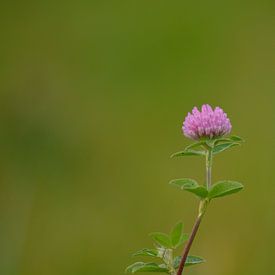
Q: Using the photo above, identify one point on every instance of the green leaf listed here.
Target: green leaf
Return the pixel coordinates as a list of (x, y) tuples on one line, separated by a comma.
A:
[(191, 260), (146, 267), (224, 188), (161, 239), (183, 239), (186, 153), (147, 252), (236, 138), (190, 186), (224, 146), (176, 234), (195, 145), (222, 140)]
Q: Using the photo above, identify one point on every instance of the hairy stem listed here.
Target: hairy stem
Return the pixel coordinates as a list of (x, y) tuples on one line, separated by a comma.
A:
[(202, 209)]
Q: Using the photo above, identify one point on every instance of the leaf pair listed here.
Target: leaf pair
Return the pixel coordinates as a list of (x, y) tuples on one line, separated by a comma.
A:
[(217, 145), (173, 240), (153, 267), (166, 243), (219, 189)]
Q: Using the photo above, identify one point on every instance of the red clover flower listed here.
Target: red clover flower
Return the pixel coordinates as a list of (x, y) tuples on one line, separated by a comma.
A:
[(208, 123), (208, 128)]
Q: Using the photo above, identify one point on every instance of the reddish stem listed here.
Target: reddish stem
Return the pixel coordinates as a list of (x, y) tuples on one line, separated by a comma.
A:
[(189, 244)]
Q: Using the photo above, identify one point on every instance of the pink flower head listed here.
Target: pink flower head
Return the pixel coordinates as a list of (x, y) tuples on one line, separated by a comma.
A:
[(208, 123)]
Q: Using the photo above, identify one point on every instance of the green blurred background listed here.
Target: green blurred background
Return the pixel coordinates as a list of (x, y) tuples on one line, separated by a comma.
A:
[(93, 95)]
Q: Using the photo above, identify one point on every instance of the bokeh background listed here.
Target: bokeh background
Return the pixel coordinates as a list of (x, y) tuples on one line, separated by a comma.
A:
[(93, 95)]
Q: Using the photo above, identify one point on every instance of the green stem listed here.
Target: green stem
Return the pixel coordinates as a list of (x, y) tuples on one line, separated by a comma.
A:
[(202, 210), (209, 157)]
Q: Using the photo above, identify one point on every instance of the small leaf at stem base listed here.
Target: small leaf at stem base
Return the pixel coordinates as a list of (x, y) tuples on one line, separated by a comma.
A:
[(146, 267), (147, 252), (191, 260)]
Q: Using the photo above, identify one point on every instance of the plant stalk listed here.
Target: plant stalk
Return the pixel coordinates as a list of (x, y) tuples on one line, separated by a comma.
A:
[(202, 210), (189, 244), (209, 157)]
